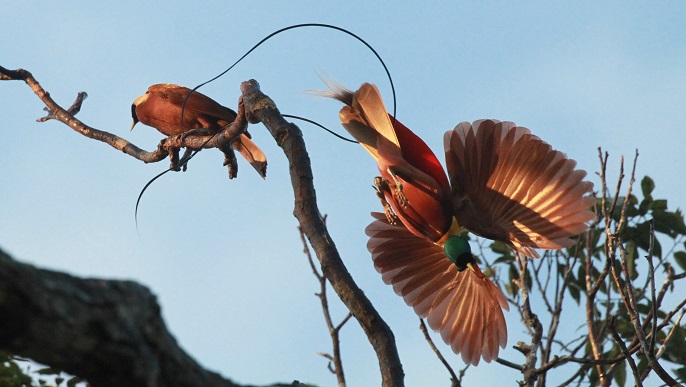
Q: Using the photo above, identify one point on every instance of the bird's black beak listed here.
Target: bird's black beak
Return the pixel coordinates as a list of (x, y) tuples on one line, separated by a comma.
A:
[(133, 114), (464, 260)]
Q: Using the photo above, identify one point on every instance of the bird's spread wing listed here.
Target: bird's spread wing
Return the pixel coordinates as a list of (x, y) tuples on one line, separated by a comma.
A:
[(509, 185), (465, 307)]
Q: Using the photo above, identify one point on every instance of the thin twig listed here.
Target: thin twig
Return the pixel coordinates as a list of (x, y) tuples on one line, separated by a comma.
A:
[(531, 321), (625, 350), (335, 361), (663, 347), (454, 381), (651, 275)]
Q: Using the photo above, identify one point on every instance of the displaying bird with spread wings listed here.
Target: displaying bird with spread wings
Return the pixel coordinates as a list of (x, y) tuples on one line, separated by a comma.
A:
[(503, 183), (162, 105)]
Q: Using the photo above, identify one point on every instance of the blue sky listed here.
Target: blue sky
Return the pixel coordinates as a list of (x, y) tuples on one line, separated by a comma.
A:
[(224, 257)]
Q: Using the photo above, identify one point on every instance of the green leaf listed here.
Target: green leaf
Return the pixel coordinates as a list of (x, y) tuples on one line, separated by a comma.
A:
[(500, 248), (631, 259), (510, 289), (643, 308), (676, 351), (670, 223), (658, 205), (680, 372), (574, 292), (642, 365), (680, 258), (620, 373), (647, 186), (644, 206), (74, 381), (48, 371), (631, 210), (504, 258)]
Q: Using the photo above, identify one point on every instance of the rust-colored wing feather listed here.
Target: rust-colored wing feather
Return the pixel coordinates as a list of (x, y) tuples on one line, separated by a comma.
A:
[(161, 108), (465, 307), (509, 185), (197, 104)]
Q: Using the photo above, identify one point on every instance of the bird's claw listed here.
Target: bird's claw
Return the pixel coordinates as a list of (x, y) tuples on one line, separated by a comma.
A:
[(398, 193), (380, 186), (179, 138), (187, 154), (400, 196), (230, 161)]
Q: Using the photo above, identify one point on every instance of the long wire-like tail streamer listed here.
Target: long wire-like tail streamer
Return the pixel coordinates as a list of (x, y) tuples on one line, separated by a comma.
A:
[(322, 25)]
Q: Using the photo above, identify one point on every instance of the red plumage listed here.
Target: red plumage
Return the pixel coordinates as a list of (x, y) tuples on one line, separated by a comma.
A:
[(504, 184)]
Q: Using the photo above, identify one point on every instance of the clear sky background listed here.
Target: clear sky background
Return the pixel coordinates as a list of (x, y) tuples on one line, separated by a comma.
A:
[(224, 257)]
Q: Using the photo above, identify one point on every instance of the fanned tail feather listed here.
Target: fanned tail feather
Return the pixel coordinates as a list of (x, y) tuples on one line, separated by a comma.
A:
[(465, 307), (252, 153)]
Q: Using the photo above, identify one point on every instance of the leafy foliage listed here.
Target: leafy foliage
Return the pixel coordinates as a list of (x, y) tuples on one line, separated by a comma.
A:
[(12, 375), (627, 265)]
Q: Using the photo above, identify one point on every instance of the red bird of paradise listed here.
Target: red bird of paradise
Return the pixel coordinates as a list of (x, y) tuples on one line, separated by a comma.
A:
[(162, 107), (504, 184)]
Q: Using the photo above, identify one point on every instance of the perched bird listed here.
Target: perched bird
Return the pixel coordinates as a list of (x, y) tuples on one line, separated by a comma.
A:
[(504, 184), (161, 106)]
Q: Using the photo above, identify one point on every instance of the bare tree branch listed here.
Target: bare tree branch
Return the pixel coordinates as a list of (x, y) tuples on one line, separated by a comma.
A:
[(454, 381), (259, 108), (530, 320), (168, 146), (335, 361), (625, 351)]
